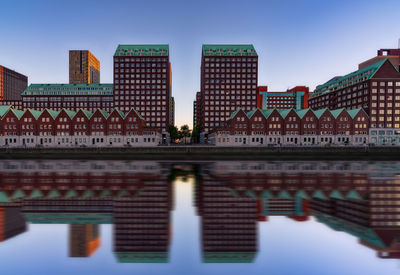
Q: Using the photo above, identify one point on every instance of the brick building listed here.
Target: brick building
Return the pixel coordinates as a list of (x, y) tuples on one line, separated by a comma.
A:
[(142, 80), (294, 127), (392, 54), (196, 110), (67, 128), (172, 111), (12, 84), (375, 88), (69, 96), (229, 76), (295, 98), (84, 67)]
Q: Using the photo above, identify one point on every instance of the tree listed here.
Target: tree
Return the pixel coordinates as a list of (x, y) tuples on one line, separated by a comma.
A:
[(196, 134), (184, 131), (173, 133)]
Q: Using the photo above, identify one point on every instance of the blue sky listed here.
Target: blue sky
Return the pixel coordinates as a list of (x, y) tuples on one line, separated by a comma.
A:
[(303, 42)]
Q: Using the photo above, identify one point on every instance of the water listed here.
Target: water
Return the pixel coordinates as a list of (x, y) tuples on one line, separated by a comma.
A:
[(158, 217)]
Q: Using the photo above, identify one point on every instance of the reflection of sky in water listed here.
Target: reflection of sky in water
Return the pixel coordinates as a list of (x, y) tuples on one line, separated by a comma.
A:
[(285, 247)]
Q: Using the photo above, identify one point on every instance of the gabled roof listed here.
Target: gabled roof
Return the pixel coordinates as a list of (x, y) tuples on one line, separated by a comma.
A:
[(87, 113), (4, 109), (284, 112), (337, 112), (351, 78), (136, 112), (251, 113), (267, 112), (36, 114), (70, 113), (17, 113), (234, 114), (118, 112), (353, 112), (301, 113), (320, 112), (53, 113), (104, 113)]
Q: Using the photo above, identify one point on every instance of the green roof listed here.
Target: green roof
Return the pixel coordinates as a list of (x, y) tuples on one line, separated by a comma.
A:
[(267, 112), (68, 218), (70, 113), (363, 74), (139, 115), (18, 113), (300, 112), (337, 112), (284, 112), (35, 113), (69, 89), (142, 257), (87, 113), (4, 109), (229, 50), (251, 113), (142, 50), (353, 112), (229, 257), (320, 112), (234, 114), (53, 113), (104, 113)]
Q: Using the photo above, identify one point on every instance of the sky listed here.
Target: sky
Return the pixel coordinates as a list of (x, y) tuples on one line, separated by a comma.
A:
[(299, 42)]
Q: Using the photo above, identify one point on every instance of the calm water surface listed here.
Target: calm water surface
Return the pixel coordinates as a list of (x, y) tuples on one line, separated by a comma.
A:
[(159, 217)]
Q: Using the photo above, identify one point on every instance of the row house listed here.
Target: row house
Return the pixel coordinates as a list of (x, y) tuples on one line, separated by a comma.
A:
[(294, 127), (82, 128)]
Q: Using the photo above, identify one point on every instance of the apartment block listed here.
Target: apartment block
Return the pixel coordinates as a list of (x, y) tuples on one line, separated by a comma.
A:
[(295, 98), (12, 84), (142, 80), (375, 88), (84, 67), (228, 81)]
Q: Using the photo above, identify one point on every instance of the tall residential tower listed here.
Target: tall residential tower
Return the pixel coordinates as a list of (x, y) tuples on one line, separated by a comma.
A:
[(142, 80), (228, 82), (84, 67), (12, 84)]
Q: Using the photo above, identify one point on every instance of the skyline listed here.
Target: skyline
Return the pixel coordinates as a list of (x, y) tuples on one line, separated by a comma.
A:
[(295, 40)]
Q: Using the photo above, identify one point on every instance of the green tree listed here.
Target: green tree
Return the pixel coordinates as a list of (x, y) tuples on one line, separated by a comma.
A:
[(196, 134), (173, 133), (184, 131)]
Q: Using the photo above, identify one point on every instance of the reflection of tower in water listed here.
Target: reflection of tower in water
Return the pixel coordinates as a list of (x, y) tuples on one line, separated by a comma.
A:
[(84, 239), (11, 223), (142, 223), (228, 223)]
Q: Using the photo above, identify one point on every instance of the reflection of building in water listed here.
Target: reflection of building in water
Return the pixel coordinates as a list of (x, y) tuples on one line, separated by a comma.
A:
[(360, 198), (84, 239), (373, 217), (142, 223), (228, 223), (135, 196), (11, 223)]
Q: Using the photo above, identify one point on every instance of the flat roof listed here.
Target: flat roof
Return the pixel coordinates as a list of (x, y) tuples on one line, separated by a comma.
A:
[(229, 50), (142, 50)]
